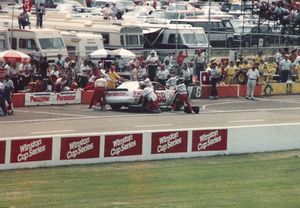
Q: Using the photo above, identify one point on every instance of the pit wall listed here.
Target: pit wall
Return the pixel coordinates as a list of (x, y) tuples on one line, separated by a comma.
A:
[(106, 147), (196, 92)]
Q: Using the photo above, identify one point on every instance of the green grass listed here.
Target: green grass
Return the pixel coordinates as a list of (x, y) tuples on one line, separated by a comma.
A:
[(267, 180)]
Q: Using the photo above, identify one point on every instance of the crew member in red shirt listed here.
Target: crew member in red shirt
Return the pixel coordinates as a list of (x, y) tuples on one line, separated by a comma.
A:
[(180, 59)]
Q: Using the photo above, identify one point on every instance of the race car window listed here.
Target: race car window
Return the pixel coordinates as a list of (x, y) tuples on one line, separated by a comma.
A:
[(158, 86)]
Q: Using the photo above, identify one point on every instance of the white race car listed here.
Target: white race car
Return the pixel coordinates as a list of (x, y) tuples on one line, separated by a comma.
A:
[(130, 93)]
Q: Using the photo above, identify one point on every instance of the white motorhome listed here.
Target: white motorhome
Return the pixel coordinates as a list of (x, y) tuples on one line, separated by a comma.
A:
[(48, 41), (170, 36), (115, 34), (82, 44), (4, 40)]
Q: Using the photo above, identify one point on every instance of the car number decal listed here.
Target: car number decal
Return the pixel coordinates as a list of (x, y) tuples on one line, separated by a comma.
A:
[(161, 97)]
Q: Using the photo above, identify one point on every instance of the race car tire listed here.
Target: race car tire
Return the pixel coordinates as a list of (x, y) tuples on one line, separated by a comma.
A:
[(135, 108), (196, 109), (179, 106), (241, 77), (115, 107)]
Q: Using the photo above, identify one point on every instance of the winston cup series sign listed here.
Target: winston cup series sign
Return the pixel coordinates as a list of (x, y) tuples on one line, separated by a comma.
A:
[(2, 152), (169, 142), (27, 150), (209, 140), (80, 148), (123, 145)]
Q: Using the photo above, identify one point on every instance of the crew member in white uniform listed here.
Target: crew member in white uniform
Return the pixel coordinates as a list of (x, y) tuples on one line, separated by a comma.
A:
[(150, 98), (181, 96), (99, 92)]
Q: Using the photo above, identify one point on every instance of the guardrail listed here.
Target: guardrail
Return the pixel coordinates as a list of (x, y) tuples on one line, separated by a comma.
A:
[(105, 147)]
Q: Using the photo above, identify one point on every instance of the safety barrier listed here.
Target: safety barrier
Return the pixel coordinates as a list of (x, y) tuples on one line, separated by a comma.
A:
[(105, 147)]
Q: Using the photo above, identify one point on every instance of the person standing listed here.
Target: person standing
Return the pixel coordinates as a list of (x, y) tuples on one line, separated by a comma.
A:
[(44, 66), (40, 12), (3, 110), (152, 62), (180, 59), (200, 60), (171, 82), (106, 11), (253, 75), (285, 67), (85, 71), (113, 77), (230, 72), (100, 88), (141, 71), (21, 75), (162, 75), (133, 72), (14, 76), (186, 75), (215, 76), (8, 93)]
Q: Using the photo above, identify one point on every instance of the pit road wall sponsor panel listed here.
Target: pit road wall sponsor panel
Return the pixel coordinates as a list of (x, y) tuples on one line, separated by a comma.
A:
[(2, 152), (44, 98), (80, 147), (123, 145), (169, 142), (28, 150), (209, 140)]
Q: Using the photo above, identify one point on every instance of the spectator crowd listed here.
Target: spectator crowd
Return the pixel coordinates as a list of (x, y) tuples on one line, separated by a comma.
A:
[(68, 74)]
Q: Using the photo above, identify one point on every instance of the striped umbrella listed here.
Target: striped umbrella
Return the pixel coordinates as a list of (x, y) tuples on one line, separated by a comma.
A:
[(14, 56)]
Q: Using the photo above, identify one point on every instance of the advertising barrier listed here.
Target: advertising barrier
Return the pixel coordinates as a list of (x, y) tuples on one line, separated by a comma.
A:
[(28, 150), (209, 140), (145, 145), (123, 145), (2, 152), (79, 147), (50, 98), (169, 142)]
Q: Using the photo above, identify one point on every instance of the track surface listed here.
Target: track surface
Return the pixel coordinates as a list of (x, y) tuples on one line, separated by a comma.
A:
[(224, 112)]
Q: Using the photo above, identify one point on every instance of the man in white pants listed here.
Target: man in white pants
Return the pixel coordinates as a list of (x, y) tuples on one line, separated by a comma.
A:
[(252, 75)]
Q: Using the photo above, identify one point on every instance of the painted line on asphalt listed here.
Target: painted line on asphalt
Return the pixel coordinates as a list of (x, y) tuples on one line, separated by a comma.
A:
[(158, 125), (253, 110), (220, 103), (241, 121), (78, 117), (50, 132), (49, 113)]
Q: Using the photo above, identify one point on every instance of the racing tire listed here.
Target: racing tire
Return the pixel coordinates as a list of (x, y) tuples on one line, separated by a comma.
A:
[(196, 109), (241, 77), (115, 107), (135, 108), (179, 106)]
